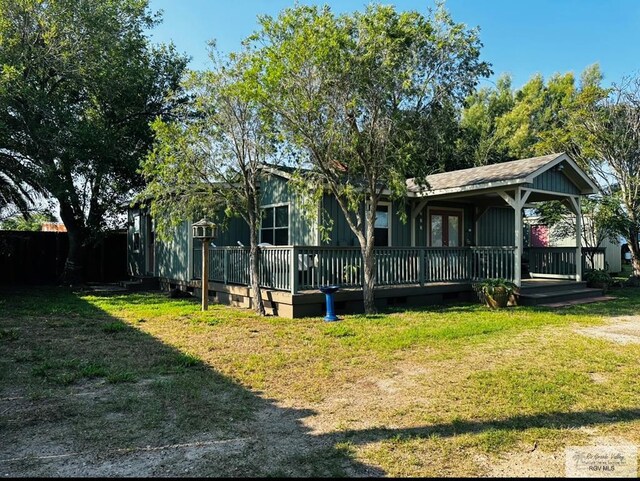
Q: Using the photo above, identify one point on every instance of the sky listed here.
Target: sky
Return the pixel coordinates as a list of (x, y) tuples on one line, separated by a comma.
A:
[(520, 37)]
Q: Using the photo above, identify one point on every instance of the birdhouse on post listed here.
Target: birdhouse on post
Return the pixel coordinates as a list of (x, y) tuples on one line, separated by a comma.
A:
[(205, 231)]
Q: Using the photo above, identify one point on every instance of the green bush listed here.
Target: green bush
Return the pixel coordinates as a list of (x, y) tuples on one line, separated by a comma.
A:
[(598, 277)]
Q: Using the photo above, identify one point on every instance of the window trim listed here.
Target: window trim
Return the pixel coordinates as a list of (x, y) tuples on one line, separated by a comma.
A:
[(281, 204), (445, 209), (136, 215)]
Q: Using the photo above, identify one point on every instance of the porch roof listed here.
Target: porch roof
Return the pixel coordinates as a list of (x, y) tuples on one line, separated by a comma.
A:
[(501, 175)]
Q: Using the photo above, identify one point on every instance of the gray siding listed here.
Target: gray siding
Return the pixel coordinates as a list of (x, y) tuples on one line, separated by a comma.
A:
[(496, 227), (342, 235), (231, 231), (172, 257), (555, 181), (400, 231), (276, 190)]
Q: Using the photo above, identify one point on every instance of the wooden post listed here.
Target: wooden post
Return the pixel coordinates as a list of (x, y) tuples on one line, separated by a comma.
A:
[(517, 203), (205, 274), (225, 266), (293, 282), (579, 240), (518, 240), (421, 266)]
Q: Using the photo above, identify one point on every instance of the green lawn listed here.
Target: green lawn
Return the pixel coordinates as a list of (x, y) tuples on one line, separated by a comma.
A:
[(140, 384)]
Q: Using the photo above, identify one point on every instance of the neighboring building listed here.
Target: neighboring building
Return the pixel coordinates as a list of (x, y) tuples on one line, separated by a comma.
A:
[(542, 236), (467, 226), (53, 227)]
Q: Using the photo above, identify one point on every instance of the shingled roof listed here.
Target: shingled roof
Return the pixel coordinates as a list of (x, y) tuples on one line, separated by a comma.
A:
[(485, 176)]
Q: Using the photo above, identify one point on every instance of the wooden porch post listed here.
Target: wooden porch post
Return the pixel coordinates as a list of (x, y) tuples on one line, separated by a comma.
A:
[(517, 203), (578, 211), (205, 274), (517, 267), (293, 280)]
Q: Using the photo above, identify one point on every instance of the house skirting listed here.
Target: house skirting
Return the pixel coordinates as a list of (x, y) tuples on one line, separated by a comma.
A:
[(312, 303)]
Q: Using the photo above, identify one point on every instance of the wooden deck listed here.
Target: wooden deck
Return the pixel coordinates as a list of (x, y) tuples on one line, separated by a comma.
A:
[(291, 276), (347, 300)]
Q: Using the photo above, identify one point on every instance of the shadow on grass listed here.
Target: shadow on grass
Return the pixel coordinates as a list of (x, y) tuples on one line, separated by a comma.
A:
[(105, 398), (74, 379), (553, 420)]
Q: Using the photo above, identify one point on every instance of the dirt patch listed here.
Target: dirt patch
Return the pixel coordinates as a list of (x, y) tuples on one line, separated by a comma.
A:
[(598, 377), (621, 330), (536, 464)]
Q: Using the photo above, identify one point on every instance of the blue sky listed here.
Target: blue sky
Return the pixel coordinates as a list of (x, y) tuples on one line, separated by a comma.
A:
[(522, 38)]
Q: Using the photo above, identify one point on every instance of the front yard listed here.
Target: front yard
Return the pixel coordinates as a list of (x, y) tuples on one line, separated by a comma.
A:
[(140, 384)]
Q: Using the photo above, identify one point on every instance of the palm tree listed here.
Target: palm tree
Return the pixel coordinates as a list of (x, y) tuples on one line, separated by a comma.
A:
[(15, 184)]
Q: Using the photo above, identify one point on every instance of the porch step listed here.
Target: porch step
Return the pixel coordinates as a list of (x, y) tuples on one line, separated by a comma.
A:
[(556, 305), (543, 297), (531, 286)]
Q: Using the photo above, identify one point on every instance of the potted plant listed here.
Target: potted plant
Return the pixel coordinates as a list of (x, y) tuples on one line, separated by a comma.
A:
[(495, 293), (599, 279)]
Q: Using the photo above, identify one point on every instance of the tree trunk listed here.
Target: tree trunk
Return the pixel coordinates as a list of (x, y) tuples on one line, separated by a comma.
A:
[(634, 247), (73, 273), (254, 259), (590, 255), (369, 260)]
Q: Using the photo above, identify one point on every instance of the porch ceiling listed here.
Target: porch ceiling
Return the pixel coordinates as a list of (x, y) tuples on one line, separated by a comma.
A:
[(492, 197)]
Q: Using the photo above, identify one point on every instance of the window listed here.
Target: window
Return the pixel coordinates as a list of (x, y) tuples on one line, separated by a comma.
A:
[(275, 225), (136, 232), (381, 232)]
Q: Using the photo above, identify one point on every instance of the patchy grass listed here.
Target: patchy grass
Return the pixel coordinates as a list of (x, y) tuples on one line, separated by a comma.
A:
[(437, 391)]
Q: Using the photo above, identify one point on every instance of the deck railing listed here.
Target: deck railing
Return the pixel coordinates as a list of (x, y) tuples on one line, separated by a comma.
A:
[(552, 261), (298, 268)]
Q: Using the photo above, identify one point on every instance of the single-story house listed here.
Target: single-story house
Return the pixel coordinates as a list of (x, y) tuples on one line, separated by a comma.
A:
[(468, 225)]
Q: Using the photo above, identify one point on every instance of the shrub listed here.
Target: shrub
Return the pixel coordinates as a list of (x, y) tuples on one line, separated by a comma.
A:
[(598, 278)]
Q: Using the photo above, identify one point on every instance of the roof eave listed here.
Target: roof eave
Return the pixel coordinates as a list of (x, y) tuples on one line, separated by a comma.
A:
[(592, 187), (467, 188)]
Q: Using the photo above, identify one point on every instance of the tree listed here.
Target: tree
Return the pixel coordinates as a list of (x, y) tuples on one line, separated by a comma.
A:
[(78, 87), (478, 140), (359, 95), (500, 124), (606, 131), (209, 157), (15, 194), (31, 223)]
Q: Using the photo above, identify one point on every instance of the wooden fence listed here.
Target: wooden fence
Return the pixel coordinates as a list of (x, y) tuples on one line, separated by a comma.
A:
[(38, 257)]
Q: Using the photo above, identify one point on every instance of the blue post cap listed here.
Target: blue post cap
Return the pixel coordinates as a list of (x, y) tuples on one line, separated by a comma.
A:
[(329, 289)]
